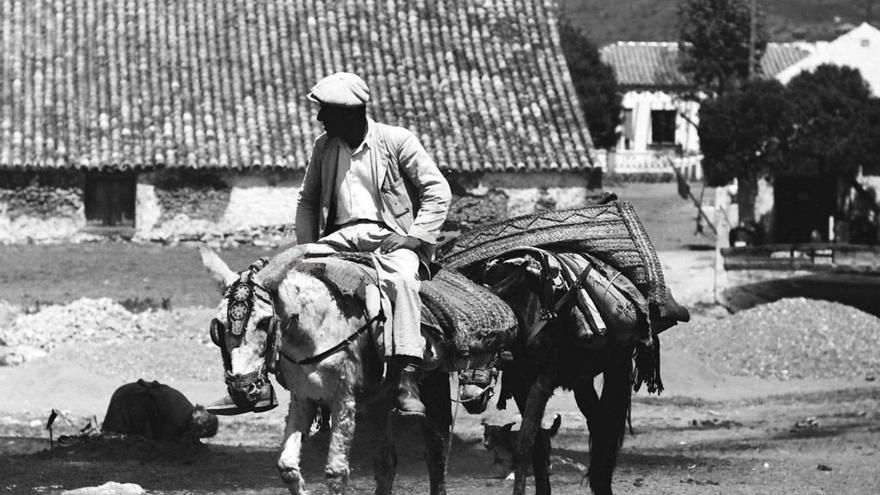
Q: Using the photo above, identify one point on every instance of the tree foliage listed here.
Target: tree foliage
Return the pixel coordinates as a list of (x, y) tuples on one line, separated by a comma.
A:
[(744, 135), (714, 37), (832, 119), (595, 85), (745, 132), (825, 118)]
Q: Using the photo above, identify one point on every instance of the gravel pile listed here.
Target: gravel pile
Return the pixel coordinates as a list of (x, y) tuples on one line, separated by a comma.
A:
[(786, 339)]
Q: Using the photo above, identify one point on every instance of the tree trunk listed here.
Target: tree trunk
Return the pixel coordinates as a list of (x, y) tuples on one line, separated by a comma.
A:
[(747, 191)]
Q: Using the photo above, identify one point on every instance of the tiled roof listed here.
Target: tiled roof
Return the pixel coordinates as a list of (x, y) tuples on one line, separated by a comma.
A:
[(222, 83), (645, 63), (779, 56), (656, 63)]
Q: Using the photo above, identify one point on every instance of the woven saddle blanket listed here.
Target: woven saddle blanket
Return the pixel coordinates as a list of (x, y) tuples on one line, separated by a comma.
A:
[(467, 316), (610, 232)]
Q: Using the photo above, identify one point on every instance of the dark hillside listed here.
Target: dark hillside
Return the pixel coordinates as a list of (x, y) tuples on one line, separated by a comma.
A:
[(652, 20)]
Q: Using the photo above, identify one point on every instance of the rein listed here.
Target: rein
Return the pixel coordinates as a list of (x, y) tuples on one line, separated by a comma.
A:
[(553, 312), (317, 358)]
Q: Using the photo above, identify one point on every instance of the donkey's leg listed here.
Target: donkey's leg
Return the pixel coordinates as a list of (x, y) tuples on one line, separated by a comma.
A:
[(299, 420), (606, 418), (532, 412), (435, 427), (385, 462), (341, 436)]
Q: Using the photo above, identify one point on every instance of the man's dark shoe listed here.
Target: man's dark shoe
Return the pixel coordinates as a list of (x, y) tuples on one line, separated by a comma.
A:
[(227, 407), (408, 402)]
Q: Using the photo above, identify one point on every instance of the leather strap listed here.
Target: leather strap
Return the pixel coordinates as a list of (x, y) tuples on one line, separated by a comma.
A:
[(317, 358)]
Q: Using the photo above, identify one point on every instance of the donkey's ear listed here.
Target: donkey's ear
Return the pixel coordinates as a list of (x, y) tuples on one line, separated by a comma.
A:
[(217, 267), (276, 271)]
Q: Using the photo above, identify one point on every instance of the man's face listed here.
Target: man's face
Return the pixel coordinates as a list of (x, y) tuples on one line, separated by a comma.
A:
[(337, 120)]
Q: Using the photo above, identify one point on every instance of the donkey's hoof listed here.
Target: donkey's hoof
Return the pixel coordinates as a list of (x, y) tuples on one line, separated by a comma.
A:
[(293, 479), (336, 482)]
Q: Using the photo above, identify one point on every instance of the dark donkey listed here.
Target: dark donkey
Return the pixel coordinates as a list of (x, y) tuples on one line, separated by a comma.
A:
[(557, 347), (583, 325)]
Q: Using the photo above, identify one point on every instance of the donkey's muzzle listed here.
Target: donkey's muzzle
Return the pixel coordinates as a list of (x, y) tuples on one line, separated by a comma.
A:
[(251, 391)]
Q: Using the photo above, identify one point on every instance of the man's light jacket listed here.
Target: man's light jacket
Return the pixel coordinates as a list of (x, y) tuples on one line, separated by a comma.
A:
[(413, 194)]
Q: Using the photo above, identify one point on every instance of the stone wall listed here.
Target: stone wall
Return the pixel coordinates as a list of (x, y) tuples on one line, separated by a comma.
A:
[(526, 192), (209, 205), (38, 207)]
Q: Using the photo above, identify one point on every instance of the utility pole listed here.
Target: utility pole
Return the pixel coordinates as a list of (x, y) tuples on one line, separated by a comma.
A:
[(753, 14), (868, 8)]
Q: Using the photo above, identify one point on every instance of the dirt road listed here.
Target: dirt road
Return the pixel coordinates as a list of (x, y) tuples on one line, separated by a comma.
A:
[(708, 433)]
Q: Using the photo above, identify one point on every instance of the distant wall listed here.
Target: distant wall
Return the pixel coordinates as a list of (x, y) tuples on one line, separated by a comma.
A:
[(38, 207), (254, 206)]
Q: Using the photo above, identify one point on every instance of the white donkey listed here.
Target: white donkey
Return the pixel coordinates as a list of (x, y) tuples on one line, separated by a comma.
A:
[(313, 323)]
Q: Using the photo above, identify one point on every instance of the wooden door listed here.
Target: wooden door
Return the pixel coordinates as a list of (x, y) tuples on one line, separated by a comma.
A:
[(110, 199), (803, 205)]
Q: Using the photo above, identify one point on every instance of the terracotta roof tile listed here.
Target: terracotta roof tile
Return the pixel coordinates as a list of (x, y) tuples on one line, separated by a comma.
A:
[(656, 63), (205, 84)]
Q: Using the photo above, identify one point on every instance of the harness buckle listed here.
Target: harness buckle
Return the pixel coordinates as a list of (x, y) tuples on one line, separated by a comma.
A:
[(547, 314)]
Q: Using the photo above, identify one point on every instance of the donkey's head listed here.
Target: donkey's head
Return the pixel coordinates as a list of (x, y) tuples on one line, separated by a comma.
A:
[(244, 327)]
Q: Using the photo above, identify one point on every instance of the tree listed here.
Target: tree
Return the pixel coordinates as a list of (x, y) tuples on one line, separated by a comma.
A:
[(744, 135), (833, 120), (595, 85), (714, 38)]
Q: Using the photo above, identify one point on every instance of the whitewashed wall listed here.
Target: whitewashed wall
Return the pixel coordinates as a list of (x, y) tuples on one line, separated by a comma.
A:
[(643, 102)]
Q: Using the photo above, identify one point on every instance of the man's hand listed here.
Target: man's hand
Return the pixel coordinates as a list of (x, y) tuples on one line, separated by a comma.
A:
[(397, 241)]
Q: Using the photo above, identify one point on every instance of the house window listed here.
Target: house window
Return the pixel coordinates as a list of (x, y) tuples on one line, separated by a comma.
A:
[(663, 128), (109, 199)]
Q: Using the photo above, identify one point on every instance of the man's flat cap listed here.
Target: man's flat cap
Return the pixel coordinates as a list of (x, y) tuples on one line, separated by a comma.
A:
[(342, 89)]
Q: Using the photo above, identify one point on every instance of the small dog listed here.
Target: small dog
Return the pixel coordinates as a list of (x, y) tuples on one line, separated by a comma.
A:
[(502, 440)]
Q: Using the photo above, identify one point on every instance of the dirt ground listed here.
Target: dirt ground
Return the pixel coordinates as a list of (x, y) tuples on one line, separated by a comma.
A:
[(708, 433)]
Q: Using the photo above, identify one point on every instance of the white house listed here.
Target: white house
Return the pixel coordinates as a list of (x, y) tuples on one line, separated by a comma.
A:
[(859, 49), (661, 104)]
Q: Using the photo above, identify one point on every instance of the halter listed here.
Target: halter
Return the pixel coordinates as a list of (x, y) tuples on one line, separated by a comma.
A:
[(239, 308)]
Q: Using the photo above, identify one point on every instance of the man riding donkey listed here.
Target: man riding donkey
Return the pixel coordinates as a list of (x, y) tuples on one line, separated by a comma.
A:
[(371, 188)]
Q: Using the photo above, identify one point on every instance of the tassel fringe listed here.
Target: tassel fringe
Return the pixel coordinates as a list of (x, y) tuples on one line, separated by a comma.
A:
[(647, 366)]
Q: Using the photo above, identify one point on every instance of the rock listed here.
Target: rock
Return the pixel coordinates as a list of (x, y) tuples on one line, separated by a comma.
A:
[(13, 356), (109, 488), (823, 467)]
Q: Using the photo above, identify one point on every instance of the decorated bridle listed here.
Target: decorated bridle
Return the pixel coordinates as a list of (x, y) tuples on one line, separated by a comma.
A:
[(239, 306), (240, 297)]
